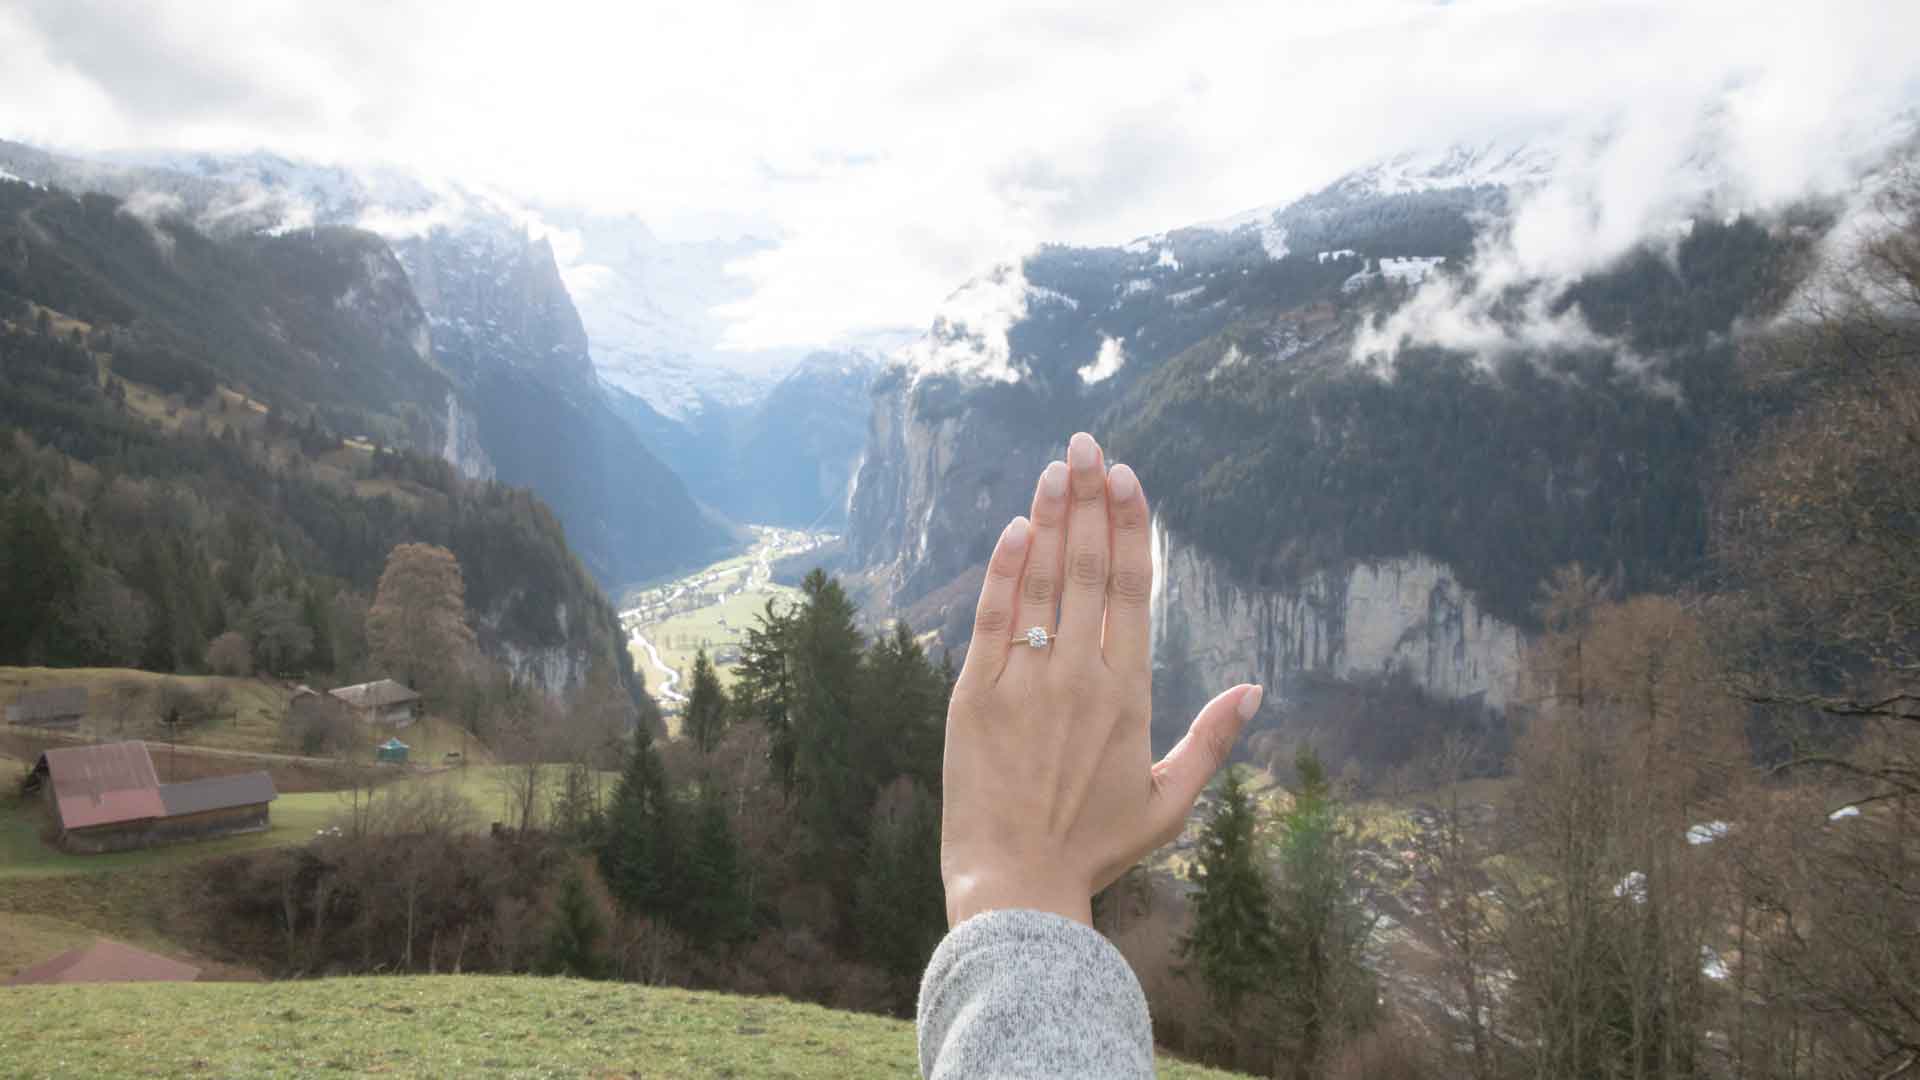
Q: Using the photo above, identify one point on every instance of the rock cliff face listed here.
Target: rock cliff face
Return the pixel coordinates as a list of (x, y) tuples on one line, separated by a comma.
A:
[(1326, 524), (1404, 616)]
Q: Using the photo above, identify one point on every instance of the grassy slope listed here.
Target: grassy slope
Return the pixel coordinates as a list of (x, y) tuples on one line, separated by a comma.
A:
[(447, 1026), (123, 703)]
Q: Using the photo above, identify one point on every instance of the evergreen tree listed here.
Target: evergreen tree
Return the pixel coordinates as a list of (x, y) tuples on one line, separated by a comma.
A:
[(637, 855), (574, 933), (763, 690), (706, 715), (714, 907), (899, 903), (833, 803), (1326, 993), (1232, 946), (900, 721)]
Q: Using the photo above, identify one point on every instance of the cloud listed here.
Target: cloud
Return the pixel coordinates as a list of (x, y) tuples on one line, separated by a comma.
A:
[(1793, 122), (890, 151), (1107, 363)]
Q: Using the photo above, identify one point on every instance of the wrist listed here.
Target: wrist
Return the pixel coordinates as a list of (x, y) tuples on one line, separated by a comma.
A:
[(973, 894)]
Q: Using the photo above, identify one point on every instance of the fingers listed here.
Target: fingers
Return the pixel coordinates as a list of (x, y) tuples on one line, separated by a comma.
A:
[(1130, 582), (1040, 588), (999, 601), (1083, 601), (1180, 776)]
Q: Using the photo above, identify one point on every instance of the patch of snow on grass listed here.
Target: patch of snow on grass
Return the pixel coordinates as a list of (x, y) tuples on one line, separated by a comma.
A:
[(1712, 966), (1707, 833), (1633, 886), (1844, 813)]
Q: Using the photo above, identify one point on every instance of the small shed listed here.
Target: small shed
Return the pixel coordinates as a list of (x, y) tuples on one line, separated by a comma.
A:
[(60, 707), (393, 752), (105, 961), (382, 701)]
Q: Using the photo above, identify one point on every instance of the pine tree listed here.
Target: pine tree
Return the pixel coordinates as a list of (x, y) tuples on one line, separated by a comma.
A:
[(899, 903), (1232, 946), (714, 907), (706, 714), (763, 689), (574, 933), (637, 854), (1326, 992)]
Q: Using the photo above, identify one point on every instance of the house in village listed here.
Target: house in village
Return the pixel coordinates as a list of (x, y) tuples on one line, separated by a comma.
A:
[(109, 798), (60, 707), (381, 702)]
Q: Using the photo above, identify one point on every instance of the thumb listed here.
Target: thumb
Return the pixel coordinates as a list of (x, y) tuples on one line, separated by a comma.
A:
[(1180, 776)]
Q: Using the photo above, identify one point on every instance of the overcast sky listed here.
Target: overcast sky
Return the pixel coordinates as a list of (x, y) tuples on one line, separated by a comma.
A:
[(896, 148)]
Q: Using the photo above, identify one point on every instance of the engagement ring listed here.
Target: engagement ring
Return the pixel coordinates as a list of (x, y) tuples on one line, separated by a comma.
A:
[(1037, 637)]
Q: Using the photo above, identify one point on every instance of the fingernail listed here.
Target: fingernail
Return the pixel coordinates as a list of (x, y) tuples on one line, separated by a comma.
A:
[(1122, 483), (1015, 536), (1054, 481), (1250, 701), (1082, 453)]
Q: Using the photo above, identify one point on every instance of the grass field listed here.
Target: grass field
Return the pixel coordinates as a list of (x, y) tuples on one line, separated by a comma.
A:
[(123, 703), (722, 624), (447, 1026)]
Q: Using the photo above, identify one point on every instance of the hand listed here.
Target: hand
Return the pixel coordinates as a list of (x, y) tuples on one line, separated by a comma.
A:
[(1050, 791)]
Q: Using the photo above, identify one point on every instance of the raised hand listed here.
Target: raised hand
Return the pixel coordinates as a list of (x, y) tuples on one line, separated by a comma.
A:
[(1050, 790)]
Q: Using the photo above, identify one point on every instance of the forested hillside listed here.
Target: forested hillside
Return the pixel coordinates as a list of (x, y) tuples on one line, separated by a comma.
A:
[(201, 437), (496, 377)]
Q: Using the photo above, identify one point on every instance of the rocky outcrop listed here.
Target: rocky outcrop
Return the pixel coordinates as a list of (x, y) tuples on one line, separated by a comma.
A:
[(463, 449), (1379, 618)]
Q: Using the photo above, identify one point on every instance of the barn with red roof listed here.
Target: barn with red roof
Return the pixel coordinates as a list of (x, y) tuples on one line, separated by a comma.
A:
[(109, 798)]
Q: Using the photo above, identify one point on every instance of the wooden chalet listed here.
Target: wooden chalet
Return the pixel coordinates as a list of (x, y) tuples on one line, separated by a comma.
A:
[(380, 702), (109, 798), (60, 707)]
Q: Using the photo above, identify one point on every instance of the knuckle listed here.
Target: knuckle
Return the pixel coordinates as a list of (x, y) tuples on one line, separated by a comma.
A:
[(992, 621), (1131, 584), (1038, 588), (1218, 745), (1089, 566)]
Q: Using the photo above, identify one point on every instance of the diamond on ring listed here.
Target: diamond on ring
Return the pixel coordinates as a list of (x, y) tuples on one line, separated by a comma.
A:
[(1037, 637)]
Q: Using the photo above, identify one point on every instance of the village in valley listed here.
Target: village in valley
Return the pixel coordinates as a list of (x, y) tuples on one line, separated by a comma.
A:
[(710, 609)]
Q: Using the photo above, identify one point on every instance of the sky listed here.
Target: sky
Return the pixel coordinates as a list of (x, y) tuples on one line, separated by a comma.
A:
[(889, 151)]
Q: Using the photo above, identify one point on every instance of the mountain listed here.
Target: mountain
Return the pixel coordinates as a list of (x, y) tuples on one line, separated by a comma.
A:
[(788, 458), (522, 400), (1343, 505), (212, 433)]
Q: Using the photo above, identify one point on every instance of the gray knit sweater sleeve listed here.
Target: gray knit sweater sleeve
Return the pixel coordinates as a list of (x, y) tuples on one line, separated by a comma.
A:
[(1029, 994)]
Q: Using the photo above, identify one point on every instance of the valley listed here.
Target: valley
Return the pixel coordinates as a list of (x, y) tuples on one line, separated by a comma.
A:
[(711, 608)]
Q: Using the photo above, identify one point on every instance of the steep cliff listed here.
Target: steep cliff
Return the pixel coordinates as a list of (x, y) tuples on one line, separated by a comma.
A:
[(1329, 513)]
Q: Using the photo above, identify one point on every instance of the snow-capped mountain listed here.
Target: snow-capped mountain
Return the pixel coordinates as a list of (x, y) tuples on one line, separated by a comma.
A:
[(1356, 476), (527, 405)]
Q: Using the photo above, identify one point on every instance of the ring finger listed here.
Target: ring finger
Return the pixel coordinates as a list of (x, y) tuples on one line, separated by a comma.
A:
[(1040, 585)]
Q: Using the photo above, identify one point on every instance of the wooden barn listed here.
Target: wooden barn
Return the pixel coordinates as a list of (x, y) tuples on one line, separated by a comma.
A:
[(60, 707), (109, 798), (380, 702)]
